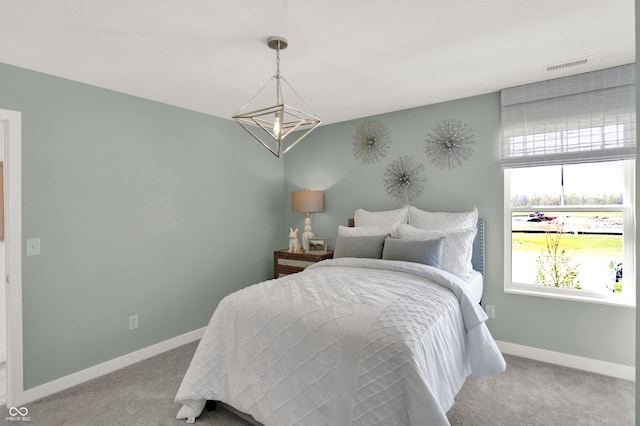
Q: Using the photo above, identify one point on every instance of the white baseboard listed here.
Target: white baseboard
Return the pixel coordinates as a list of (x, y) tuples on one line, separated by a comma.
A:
[(587, 364), (105, 368)]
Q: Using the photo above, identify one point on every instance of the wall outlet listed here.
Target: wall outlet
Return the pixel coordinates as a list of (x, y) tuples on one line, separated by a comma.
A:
[(491, 311), (133, 322)]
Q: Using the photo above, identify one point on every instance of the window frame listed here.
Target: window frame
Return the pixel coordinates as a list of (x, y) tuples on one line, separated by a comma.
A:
[(628, 297)]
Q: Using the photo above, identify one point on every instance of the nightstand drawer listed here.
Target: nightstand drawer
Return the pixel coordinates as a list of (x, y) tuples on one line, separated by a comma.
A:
[(286, 262), (287, 270), (294, 262)]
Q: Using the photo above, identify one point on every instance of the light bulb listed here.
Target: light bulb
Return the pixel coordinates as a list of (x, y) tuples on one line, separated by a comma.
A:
[(277, 125)]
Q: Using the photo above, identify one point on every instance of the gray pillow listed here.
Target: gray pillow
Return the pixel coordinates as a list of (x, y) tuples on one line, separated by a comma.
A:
[(362, 246), (428, 252)]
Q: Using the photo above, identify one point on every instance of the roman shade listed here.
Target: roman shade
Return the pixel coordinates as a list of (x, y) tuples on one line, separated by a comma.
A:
[(582, 118)]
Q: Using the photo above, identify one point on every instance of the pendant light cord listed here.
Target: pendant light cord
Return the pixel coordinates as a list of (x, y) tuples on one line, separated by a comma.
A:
[(278, 60)]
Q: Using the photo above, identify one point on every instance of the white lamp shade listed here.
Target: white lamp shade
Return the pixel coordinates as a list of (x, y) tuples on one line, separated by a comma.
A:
[(307, 201)]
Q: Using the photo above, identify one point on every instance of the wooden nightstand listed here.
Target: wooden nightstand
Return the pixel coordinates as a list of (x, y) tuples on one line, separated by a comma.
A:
[(286, 262)]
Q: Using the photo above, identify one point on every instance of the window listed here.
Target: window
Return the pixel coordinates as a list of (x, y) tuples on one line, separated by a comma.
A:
[(570, 230), (568, 150)]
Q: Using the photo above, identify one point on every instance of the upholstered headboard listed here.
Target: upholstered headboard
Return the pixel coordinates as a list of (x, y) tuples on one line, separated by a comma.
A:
[(477, 258)]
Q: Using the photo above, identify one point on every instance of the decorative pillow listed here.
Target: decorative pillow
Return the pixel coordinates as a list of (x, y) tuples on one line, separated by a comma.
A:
[(364, 247), (368, 230), (365, 218), (428, 252), (456, 251), (442, 221)]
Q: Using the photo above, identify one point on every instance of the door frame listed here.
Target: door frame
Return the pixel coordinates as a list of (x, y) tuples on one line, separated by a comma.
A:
[(13, 245)]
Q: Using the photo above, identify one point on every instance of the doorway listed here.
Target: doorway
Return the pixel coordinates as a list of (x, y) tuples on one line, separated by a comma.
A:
[(3, 272), (11, 139)]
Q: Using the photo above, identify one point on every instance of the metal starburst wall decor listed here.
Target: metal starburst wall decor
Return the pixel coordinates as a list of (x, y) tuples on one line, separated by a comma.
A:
[(449, 143), (404, 179), (371, 141)]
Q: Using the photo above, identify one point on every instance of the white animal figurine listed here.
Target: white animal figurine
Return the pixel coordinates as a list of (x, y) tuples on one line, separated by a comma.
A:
[(294, 244)]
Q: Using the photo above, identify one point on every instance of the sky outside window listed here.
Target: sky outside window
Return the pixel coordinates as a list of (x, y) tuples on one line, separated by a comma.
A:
[(581, 179)]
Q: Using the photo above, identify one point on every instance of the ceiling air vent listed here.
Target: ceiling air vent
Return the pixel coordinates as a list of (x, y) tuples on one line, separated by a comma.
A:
[(564, 65)]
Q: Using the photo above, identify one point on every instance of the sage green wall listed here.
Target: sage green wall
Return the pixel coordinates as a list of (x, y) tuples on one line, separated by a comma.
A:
[(325, 161), (142, 208)]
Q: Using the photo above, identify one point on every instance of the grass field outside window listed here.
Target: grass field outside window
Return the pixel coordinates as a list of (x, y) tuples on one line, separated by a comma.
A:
[(593, 241)]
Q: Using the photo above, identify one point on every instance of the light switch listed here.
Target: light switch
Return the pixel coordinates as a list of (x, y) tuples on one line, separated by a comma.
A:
[(33, 247)]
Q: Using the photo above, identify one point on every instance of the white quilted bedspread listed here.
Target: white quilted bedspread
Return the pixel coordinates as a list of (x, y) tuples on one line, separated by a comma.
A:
[(347, 341)]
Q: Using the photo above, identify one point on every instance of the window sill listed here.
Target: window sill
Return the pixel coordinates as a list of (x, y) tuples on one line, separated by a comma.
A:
[(571, 295)]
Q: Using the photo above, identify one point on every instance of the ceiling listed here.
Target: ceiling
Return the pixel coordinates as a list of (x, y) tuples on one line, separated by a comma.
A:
[(347, 59)]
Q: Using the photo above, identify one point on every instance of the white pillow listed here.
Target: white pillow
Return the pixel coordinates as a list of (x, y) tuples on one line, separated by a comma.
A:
[(362, 231), (442, 221), (457, 249), (388, 217)]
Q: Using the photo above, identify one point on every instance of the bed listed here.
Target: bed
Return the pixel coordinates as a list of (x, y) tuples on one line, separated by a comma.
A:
[(356, 340)]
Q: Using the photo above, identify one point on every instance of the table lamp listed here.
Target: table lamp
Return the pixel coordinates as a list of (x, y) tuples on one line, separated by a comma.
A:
[(307, 202)]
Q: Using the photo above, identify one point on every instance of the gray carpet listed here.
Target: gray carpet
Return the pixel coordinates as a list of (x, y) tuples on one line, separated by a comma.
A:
[(528, 393)]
